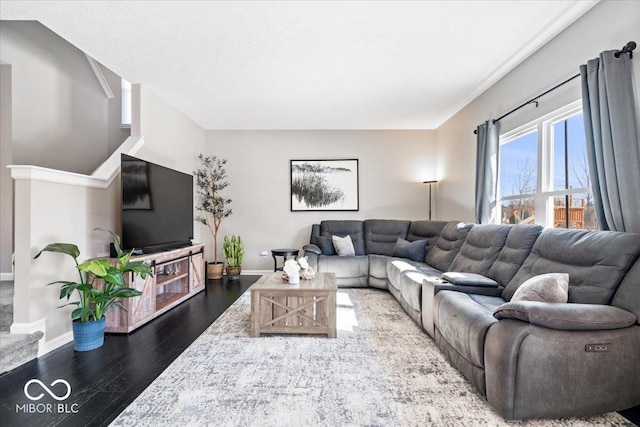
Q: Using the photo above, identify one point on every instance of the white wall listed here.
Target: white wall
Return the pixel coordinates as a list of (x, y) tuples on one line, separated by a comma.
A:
[(609, 25), (392, 166), (60, 212), (62, 118), (53, 212), (6, 184), (171, 139)]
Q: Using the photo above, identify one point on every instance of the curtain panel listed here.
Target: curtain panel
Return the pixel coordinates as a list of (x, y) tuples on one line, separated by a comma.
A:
[(487, 157), (613, 147)]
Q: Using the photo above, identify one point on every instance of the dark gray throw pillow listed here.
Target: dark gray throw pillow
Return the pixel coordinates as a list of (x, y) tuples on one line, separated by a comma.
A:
[(414, 251), (325, 244)]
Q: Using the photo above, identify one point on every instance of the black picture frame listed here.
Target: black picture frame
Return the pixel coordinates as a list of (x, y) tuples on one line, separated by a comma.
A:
[(325, 185)]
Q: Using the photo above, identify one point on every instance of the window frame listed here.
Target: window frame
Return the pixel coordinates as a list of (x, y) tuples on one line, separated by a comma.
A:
[(545, 193)]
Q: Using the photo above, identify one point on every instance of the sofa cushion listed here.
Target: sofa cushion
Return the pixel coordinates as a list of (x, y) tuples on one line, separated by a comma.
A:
[(350, 271), (441, 255), (516, 249), (550, 287), (342, 228), (380, 235), (414, 251), (325, 244), (628, 294), (480, 248), (396, 267), (596, 262), (343, 245), (571, 317), (463, 321), (378, 271), (426, 230)]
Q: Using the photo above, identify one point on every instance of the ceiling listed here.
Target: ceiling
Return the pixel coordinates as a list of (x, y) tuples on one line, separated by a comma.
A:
[(308, 65)]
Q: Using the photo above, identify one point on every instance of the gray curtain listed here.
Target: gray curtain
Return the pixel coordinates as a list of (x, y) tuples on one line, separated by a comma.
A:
[(487, 156), (613, 148)]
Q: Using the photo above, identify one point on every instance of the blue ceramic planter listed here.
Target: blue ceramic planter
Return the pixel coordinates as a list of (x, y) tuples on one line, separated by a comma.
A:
[(88, 336)]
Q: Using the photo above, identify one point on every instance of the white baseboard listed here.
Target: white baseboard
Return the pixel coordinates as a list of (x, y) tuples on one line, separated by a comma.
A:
[(6, 277), (29, 328), (44, 346), (47, 346)]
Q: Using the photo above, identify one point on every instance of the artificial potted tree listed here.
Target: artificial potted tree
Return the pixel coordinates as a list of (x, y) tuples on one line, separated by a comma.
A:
[(211, 179), (233, 251), (100, 287)]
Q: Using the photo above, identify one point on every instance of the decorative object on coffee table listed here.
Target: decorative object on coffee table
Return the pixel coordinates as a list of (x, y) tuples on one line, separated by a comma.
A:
[(306, 271), (211, 179), (292, 271), (324, 185), (305, 308), (233, 251), (285, 254)]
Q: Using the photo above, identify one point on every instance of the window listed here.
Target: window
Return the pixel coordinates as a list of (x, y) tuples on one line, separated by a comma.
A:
[(544, 175), (126, 105)]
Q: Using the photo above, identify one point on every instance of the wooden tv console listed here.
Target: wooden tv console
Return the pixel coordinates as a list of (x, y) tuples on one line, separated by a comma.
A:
[(178, 275)]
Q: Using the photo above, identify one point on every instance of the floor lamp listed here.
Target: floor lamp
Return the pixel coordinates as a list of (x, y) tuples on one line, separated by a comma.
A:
[(430, 185)]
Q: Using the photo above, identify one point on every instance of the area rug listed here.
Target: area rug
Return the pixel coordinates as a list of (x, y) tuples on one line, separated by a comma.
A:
[(381, 370)]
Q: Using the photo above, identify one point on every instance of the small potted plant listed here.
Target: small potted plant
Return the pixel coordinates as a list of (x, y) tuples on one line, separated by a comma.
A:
[(233, 251), (100, 287), (211, 179)]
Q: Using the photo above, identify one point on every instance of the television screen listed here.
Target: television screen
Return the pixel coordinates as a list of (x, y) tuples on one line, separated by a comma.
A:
[(157, 206)]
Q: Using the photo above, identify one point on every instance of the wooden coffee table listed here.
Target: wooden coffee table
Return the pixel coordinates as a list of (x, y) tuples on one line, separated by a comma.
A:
[(305, 308)]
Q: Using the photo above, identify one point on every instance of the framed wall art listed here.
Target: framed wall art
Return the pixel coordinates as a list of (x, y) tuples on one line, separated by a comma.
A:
[(324, 185)]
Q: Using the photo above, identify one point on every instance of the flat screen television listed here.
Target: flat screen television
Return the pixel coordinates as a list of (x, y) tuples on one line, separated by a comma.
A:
[(157, 206)]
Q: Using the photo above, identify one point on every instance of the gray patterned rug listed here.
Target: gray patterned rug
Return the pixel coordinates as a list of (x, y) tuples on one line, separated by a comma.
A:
[(381, 370)]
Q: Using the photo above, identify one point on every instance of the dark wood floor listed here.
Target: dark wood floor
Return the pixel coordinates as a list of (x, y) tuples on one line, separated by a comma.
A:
[(106, 380)]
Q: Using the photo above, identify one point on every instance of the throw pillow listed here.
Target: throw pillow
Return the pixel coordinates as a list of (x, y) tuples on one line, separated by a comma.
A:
[(343, 245), (550, 287), (414, 251), (325, 244)]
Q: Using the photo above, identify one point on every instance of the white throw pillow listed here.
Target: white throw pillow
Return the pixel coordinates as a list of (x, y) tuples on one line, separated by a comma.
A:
[(551, 287), (343, 245)]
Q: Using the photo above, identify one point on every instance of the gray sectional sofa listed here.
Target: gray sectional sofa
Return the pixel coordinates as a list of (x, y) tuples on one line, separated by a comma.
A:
[(530, 359)]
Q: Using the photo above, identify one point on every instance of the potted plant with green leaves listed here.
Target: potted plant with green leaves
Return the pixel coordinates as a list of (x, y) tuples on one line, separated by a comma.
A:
[(233, 251), (100, 286), (211, 180)]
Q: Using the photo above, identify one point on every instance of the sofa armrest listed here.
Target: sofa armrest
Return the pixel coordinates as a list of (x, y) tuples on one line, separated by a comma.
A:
[(572, 317), (312, 249), (469, 289)]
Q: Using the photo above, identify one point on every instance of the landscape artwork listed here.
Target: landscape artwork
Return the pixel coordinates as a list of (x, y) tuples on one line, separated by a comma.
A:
[(324, 185)]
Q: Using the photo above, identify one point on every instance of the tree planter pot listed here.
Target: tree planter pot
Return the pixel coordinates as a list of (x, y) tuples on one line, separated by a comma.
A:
[(215, 270), (233, 273), (88, 335)]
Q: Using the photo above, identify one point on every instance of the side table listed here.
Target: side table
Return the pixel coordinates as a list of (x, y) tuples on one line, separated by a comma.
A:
[(284, 253)]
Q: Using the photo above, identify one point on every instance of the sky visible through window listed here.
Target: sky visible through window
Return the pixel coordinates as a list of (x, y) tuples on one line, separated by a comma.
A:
[(518, 165)]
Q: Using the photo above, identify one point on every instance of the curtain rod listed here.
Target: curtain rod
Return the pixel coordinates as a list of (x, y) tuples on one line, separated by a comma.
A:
[(628, 48)]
